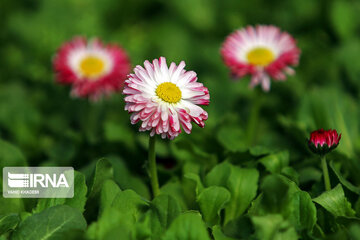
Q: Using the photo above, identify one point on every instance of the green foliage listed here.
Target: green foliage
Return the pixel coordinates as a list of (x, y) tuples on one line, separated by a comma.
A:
[(214, 185), (187, 226), (211, 201), (52, 223), (335, 202)]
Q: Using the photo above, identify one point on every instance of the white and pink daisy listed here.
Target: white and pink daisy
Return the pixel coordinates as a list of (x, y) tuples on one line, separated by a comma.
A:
[(92, 68), (165, 98), (263, 52)]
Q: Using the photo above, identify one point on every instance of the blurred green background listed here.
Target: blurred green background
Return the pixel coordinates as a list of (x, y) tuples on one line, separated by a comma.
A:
[(41, 125)]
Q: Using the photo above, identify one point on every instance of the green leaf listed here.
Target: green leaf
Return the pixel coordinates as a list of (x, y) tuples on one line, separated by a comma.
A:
[(301, 211), (108, 193), (187, 226), (8, 222), (78, 201), (335, 202), (175, 189), (130, 204), (219, 175), (110, 225), (80, 191), (343, 181), (344, 18), (103, 171), (166, 209), (275, 194), (119, 217), (126, 179), (282, 196), (211, 201), (242, 184), (274, 163), (10, 155), (163, 210), (11, 205), (52, 223), (273, 227), (194, 177), (218, 234), (232, 138), (239, 228)]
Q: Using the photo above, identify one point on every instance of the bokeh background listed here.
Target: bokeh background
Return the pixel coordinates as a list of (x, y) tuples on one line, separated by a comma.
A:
[(40, 124)]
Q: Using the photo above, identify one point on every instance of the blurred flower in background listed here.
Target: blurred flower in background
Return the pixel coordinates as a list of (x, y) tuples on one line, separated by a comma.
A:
[(165, 98), (263, 52), (92, 68)]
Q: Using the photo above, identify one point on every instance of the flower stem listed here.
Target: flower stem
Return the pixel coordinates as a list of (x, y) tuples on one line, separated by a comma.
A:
[(325, 173), (253, 120), (152, 167)]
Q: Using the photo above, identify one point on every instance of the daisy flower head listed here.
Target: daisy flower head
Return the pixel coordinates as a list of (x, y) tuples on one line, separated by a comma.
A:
[(92, 68), (263, 52), (165, 98)]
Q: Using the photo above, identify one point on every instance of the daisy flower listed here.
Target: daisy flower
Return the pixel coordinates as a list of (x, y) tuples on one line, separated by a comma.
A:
[(263, 52), (165, 98), (92, 68)]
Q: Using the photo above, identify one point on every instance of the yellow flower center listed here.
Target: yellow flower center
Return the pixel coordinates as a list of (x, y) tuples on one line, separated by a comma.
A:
[(260, 56), (92, 66), (168, 92)]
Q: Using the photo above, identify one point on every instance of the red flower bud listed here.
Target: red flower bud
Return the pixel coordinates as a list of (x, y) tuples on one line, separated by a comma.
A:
[(322, 141)]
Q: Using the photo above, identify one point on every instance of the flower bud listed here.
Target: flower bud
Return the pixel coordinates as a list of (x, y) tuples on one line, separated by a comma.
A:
[(323, 141)]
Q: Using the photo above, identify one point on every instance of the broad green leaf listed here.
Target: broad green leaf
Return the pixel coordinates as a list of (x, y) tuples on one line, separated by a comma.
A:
[(301, 211), (274, 163), (260, 150), (11, 205), (242, 184), (232, 138), (291, 173), (126, 179), (175, 189), (163, 210), (10, 155), (219, 175), (119, 218), (166, 209), (130, 204), (80, 191), (45, 203), (273, 227), (110, 225), (52, 223), (78, 201), (344, 18), (108, 193), (187, 226), (194, 177), (218, 234), (239, 228), (275, 194), (335, 202), (8, 222), (103, 171), (211, 201), (282, 196), (343, 181)]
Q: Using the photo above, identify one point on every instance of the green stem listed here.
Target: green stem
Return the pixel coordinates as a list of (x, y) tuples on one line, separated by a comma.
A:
[(152, 167), (325, 173), (253, 120)]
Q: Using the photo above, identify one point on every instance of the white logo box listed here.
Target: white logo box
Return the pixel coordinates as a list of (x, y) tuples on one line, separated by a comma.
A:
[(38, 182)]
